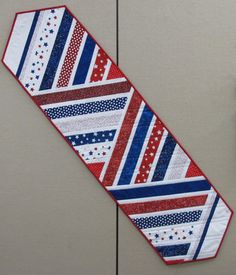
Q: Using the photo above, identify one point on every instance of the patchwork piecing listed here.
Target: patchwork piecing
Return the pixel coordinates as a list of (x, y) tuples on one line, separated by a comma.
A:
[(117, 135)]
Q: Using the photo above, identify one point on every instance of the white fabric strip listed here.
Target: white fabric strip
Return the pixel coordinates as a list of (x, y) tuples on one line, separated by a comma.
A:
[(108, 66), (210, 244), (82, 124), (95, 52), (178, 164), (18, 39)]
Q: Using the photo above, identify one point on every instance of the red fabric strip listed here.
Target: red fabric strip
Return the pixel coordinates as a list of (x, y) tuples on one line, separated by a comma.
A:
[(150, 152), (96, 168), (161, 205), (114, 72), (174, 262), (95, 91), (122, 140), (71, 55), (99, 66), (193, 171)]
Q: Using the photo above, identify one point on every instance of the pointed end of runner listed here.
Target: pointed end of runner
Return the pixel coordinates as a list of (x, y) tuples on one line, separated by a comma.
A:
[(21, 34), (210, 241)]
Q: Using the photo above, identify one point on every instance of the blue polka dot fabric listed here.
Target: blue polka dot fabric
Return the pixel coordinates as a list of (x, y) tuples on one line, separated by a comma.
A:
[(168, 219), (86, 108)]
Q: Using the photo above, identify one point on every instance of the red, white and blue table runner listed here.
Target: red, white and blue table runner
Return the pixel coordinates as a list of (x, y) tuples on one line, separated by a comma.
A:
[(111, 127)]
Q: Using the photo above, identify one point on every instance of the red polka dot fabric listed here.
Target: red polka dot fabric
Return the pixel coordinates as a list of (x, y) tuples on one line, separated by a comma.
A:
[(71, 56)]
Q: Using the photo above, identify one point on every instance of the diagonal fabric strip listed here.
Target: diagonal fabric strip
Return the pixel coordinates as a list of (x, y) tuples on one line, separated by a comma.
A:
[(161, 205), (56, 53), (95, 91), (161, 190), (36, 16), (114, 131)]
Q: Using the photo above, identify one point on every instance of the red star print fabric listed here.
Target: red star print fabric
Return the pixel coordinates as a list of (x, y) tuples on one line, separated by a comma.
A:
[(117, 135)]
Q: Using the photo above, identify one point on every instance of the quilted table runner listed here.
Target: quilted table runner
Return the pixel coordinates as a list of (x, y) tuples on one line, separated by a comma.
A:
[(114, 131)]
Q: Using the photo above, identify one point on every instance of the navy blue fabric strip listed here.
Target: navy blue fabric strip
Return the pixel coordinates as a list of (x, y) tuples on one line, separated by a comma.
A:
[(84, 62), (136, 146), (206, 228), (87, 108), (57, 50), (91, 138), (173, 250), (167, 219), (164, 159), (161, 190), (27, 44)]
